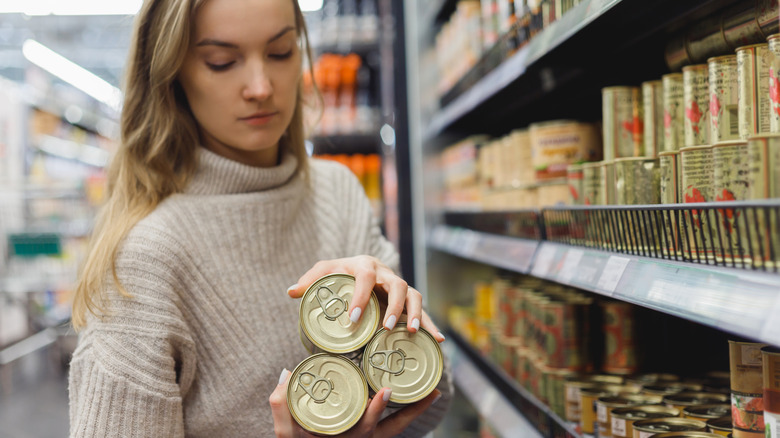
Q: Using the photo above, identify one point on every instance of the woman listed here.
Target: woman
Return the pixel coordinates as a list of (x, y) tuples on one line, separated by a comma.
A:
[(214, 209)]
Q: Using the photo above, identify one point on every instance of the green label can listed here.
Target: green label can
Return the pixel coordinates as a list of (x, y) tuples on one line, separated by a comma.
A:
[(696, 101), (622, 122), (724, 92), (653, 101), (764, 180), (730, 179), (697, 186), (674, 114), (754, 102)]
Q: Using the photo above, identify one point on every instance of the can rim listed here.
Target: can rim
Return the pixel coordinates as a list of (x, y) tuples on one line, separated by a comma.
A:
[(716, 58), (620, 87), (694, 67), (730, 143), (773, 36), (640, 424), (764, 135), (695, 148), (770, 349), (666, 153), (623, 159), (750, 46), (720, 423), (671, 76)]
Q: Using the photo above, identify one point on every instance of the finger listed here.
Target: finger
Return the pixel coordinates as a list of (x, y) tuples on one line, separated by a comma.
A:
[(319, 270), (374, 410), (365, 280), (397, 292), (399, 421), (413, 309), (279, 410), (428, 324)]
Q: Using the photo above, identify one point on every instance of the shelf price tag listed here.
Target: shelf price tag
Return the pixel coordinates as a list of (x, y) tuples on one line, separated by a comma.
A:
[(573, 257), (612, 273), (543, 261), (771, 331)]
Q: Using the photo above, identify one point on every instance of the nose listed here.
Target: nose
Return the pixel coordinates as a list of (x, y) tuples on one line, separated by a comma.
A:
[(258, 84)]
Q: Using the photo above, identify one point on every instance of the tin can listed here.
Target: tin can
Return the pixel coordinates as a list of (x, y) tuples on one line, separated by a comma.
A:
[(622, 122), (724, 93), (640, 380), (686, 434), (608, 182), (556, 389), (707, 412), (572, 391), (740, 25), (730, 180), (684, 400), (754, 103), (565, 333), (324, 323), (592, 184), (619, 338), (411, 364), (746, 389), (674, 112), (327, 394), (623, 419), (649, 428), (774, 82), (556, 144), (770, 356), (697, 185), (705, 39), (696, 101), (764, 179), (669, 388), (574, 177), (670, 181), (637, 181), (766, 15), (721, 426), (653, 101), (605, 406), (588, 397)]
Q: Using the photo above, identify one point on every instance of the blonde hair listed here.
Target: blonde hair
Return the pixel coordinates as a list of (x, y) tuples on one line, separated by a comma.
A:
[(159, 136)]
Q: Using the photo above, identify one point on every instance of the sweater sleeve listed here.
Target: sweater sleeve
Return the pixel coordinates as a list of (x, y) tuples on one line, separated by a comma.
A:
[(134, 363)]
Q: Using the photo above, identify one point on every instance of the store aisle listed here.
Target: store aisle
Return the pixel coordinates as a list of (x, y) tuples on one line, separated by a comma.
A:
[(34, 397)]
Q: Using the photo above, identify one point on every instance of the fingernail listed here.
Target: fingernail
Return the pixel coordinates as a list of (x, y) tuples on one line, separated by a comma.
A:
[(390, 322), (416, 324), (386, 394), (292, 288), (283, 376), (355, 315), (438, 397), (441, 336)]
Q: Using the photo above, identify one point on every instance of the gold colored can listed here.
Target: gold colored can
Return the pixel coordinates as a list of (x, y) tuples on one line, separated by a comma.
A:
[(686, 434), (649, 428), (605, 406), (754, 103), (740, 25), (573, 389), (588, 397), (558, 143), (593, 193), (770, 356), (608, 182), (556, 390), (622, 122), (574, 177), (747, 389), (766, 15), (707, 412), (620, 352), (722, 426), (623, 419), (724, 92), (731, 183), (670, 182), (324, 323), (411, 364), (697, 186), (674, 112), (774, 82), (704, 39), (640, 380), (327, 394), (653, 101), (637, 181), (684, 400), (696, 101), (668, 388), (764, 179)]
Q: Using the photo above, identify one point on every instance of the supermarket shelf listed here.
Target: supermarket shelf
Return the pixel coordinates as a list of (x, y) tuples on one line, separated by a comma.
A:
[(487, 388), (505, 252), (347, 47), (347, 144)]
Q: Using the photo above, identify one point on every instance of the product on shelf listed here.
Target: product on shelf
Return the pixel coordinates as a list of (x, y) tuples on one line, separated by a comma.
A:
[(697, 186), (368, 170), (707, 412), (637, 181), (668, 388), (620, 355), (764, 177), (605, 406), (674, 111), (724, 92), (722, 426), (653, 101), (685, 400), (731, 183), (747, 402), (574, 177), (622, 116), (770, 357), (754, 103), (593, 187), (623, 419), (588, 397), (558, 143), (670, 193), (651, 427), (459, 44), (696, 104), (774, 82)]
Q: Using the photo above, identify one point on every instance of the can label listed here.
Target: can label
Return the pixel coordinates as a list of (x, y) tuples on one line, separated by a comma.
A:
[(670, 194), (697, 179), (771, 378), (730, 178), (764, 180), (555, 145), (771, 423), (747, 413), (774, 83), (592, 185), (608, 183), (724, 94), (619, 427), (574, 177), (754, 101), (653, 101), (696, 101), (620, 346), (637, 182), (622, 122), (674, 136), (746, 369)]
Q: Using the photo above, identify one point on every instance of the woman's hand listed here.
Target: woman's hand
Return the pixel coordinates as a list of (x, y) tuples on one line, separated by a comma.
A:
[(368, 426), (371, 274)]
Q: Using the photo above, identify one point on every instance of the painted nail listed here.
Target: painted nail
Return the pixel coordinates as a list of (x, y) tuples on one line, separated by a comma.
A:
[(390, 322), (386, 395), (355, 315), (441, 336), (292, 288), (416, 324), (283, 376)]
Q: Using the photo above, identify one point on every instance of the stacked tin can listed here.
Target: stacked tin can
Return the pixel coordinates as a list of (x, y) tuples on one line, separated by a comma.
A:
[(328, 391)]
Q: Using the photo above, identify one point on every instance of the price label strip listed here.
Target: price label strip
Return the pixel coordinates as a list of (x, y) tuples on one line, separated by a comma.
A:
[(569, 268), (612, 273), (543, 261)]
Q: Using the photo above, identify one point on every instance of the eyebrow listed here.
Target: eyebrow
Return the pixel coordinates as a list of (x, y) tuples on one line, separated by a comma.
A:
[(213, 42)]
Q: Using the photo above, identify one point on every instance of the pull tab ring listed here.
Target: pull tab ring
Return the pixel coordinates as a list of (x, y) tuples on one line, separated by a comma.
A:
[(331, 297), (386, 361), (309, 389)]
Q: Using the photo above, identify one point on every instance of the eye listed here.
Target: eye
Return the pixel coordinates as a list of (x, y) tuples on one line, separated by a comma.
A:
[(281, 55), (219, 67)]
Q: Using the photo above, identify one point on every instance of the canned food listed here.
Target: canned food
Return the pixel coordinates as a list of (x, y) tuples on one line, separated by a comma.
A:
[(722, 426), (686, 434), (411, 364), (574, 177), (623, 418), (730, 180), (588, 397), (670, 193), (556, 144), (608, 181), (556, 391), (766, 15), (697, 180), (564, 332), (327, 394), (696, 101), (640, 380), (740, 26), (622, 122), (324, 323), (637, 181), (605, 406), (674, 112), (705, 39), (770, 357), (724, 93), (707, 412), (754, 102), (653, 101), (592, 184), (774, 82), (648, 428), (764, 177), (669, 388), (683, 400), (619, 338), (573, 388), (746, 389)]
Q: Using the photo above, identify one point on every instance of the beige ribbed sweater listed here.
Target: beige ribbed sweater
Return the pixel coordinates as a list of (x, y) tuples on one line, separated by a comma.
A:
[(199, 347)]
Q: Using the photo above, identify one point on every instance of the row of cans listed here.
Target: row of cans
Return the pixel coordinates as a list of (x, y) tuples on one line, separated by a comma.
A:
[(328, 391), (730, 97)]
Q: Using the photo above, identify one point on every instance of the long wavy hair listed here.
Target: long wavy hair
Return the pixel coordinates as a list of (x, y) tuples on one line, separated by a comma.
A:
[(159, 136)]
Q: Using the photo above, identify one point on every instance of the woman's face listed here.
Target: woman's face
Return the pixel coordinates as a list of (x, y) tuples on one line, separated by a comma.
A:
[(241, 77)]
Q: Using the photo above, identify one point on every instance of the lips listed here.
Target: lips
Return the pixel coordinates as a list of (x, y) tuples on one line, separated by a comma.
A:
[(260, 118)]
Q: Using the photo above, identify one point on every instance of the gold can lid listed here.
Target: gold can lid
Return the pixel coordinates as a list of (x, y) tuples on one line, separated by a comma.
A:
[(411, 364), (672, 77), (694, 398), (695, 67), (671, 424), (645, 411), (730, 143), (722, 58), (687, 433), (668, 388), (324, 319), (708, 411), (723, 423), (751, 46), (622, 400), (327, 394), (625, 159), (773, 37)]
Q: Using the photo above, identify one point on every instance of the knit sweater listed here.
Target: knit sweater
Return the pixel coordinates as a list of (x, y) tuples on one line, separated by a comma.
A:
[(198, 347)]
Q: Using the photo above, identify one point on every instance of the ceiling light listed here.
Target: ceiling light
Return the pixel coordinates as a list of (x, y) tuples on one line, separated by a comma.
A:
[(71, 7), (72, 73), (310, 5)]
